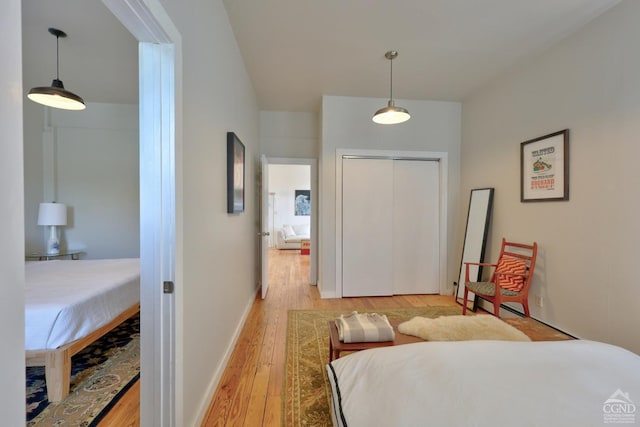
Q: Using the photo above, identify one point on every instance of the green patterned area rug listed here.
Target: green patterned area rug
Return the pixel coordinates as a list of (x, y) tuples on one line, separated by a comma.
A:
[(100, 375), (307, 399)]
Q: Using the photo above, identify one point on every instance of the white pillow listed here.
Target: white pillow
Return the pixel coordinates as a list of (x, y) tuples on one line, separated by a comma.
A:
[(288, 231), (301, 229)]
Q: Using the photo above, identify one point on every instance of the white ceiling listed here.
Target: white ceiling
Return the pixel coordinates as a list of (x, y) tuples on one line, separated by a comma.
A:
[(297, 50)]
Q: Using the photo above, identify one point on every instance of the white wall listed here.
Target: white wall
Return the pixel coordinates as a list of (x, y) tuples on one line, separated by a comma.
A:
[(12, 392), (220, 250), (283, 181), (89, 161), (588, 245), (33, 121), (346, 123), (288, 134)]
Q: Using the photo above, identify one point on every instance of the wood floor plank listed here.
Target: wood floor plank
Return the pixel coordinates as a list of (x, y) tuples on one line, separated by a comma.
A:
[(258, 397), (126, 412), (273, 412)]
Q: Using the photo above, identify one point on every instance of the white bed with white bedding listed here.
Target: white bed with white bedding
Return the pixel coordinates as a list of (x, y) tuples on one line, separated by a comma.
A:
[(485, 383), (71, 303), (66, 300)]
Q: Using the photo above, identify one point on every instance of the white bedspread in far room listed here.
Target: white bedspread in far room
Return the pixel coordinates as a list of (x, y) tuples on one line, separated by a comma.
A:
[(66, 300)]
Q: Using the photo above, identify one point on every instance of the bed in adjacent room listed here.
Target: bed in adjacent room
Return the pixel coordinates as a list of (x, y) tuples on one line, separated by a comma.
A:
[(486, 383), (68, 305)]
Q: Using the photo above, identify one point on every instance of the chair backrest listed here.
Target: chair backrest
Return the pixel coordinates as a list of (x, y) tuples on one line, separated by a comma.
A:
[(527, 253)]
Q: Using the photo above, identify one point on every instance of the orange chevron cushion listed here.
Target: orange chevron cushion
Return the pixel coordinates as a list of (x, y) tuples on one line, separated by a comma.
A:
[(512, 266)]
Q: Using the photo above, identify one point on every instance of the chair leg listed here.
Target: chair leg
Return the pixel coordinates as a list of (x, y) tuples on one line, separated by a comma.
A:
[(464, 301), (525, 305), (496, 306)]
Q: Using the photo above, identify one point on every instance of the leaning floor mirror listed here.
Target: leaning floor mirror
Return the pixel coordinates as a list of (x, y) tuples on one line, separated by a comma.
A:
[(475, 240)]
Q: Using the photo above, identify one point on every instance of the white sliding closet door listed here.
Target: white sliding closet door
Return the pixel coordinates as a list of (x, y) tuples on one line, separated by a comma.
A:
[(390, 226), (367, 215), (416, 221)]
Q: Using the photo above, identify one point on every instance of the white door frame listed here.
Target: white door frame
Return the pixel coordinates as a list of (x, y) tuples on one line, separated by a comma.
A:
[(440, 157), (264, 233), (160, 70), (313, 256)]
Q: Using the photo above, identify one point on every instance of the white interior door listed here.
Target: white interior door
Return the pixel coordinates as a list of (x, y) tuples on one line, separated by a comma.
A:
[(264, 225), (416, 210), (367, 215), (157, 235), (271, 220)]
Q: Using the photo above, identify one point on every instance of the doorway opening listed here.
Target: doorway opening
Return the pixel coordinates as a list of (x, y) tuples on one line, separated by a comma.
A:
[(289, 212), (291, 205)]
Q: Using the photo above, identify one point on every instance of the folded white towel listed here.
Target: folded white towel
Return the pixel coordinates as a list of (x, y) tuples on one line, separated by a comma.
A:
[(364, 327)]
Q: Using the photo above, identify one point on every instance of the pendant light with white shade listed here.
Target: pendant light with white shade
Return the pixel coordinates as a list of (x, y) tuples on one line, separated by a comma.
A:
[(56, 95), (391, 114)]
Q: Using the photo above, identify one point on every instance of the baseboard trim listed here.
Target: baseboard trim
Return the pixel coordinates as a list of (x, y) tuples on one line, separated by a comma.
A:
[(521, 314), (215, 381), (327, 294)]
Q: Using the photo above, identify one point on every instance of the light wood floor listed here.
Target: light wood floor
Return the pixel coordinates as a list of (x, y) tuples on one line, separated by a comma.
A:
[(126, 412), (249, 393)]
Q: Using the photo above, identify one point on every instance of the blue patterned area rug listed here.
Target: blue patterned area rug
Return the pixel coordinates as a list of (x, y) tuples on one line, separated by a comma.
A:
[(100, 375)]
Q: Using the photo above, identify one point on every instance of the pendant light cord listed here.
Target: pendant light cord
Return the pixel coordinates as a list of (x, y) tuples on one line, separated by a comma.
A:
[(57, 57), (391, 82)]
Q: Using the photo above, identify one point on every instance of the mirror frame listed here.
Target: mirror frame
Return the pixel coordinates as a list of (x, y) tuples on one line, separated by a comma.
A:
[(475, 240)]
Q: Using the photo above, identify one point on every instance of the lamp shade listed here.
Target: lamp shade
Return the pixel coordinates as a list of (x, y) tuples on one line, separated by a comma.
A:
[(56, 96), (52, 214), (391, 115)]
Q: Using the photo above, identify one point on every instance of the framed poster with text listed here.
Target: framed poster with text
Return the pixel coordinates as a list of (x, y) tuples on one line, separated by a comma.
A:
[(544, 168)]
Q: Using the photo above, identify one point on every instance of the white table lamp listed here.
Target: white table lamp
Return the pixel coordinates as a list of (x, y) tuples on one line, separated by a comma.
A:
[(52, 214)]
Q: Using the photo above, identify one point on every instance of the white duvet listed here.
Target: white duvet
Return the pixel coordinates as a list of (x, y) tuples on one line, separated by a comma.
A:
[(66, 300), (486, 383)]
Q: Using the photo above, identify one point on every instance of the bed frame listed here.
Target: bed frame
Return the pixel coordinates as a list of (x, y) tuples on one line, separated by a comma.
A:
[(57, 362)]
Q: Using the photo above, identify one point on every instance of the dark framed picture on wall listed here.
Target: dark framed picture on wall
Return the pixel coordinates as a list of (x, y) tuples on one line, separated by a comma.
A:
[(235, 174), (302, 203), (544, 168)]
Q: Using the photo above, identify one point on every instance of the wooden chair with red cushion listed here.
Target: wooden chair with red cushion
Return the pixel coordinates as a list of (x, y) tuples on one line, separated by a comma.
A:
[(510, 280)]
